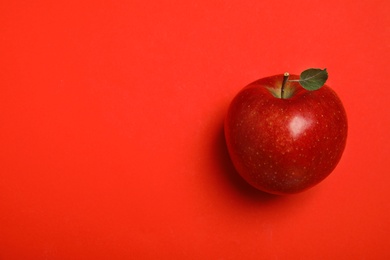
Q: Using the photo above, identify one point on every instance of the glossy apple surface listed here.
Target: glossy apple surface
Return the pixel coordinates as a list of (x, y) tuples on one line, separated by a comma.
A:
[(288, 145)]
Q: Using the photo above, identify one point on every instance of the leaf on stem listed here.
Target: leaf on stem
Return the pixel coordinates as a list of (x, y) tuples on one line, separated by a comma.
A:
[(313, 79)]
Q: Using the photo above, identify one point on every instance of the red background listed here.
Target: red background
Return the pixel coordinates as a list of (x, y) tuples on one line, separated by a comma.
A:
[(111, 142)]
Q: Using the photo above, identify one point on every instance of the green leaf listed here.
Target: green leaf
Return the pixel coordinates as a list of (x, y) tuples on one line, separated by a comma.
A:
[(313, 79)]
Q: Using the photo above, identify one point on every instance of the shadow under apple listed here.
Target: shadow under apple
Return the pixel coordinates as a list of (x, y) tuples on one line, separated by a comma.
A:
[(221, 155)]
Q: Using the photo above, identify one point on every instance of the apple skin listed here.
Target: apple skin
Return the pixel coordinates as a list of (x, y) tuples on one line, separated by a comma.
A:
[(285, 146)]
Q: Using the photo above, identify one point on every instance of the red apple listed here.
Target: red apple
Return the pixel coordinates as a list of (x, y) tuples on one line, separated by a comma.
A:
[(284, 140)]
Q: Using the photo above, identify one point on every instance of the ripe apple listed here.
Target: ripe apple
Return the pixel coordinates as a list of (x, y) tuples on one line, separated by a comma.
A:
[(283, 138)]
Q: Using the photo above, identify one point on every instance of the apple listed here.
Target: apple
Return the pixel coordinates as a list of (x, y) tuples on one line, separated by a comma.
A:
[(286, 133)]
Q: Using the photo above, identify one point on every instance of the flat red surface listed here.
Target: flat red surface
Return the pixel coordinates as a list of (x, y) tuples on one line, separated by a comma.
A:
[(111, 142)]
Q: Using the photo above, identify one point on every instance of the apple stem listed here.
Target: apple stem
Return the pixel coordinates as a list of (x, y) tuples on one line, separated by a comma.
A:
[(285, 78)]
